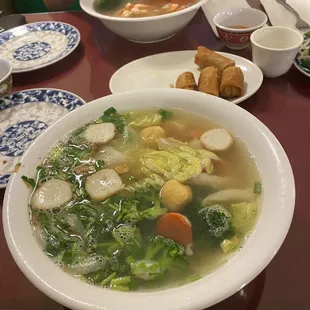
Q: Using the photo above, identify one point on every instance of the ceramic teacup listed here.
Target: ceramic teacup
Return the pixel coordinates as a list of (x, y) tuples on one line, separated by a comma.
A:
[(6, 81), (235, 25), (274, 49)]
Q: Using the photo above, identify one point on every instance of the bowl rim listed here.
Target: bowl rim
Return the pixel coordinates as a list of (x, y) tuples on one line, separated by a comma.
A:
[(274, 28), (190, 296), (242, 30), (92, 12), (4, 78)]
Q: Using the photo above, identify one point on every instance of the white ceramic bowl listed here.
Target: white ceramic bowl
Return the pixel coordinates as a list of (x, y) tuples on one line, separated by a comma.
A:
[(270, 231), (238, 38), (145, 29)]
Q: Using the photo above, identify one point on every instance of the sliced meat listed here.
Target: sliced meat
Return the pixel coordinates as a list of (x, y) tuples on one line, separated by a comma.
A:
[(53, 193), (218, 139), (100, 133), (229, 195), (111, 156), (103, 184), (213, 181)]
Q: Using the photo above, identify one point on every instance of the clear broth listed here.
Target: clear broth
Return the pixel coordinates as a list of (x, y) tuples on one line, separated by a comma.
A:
[(241, 167)]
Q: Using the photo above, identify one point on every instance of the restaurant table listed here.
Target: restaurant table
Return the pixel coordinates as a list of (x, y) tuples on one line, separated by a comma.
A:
[(283, 104)]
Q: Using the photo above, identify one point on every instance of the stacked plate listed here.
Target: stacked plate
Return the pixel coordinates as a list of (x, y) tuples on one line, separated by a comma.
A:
[(25, 114)]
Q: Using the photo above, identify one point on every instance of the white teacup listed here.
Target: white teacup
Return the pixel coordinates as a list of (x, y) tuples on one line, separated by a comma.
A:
[(274, 49)]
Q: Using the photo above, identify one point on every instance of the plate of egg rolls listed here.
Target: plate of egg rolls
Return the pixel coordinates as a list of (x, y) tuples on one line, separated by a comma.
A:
[(214, 73)]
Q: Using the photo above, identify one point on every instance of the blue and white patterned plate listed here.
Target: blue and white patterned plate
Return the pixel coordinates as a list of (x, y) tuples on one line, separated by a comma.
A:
[(297, 61), (23, 116), (37, 45)]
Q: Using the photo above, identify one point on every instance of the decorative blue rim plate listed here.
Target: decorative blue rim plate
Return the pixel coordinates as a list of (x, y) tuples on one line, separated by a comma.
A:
[(37, 45), (23, 116), (297, 62)]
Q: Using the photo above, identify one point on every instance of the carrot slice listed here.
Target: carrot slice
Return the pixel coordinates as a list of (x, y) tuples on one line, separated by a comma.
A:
[(175, 226)]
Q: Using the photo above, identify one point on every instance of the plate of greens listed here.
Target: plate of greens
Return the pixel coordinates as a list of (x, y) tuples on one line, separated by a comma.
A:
[(302, 60)]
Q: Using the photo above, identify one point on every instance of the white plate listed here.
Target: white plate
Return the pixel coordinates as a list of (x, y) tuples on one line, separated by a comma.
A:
[(161, 70), (23, 116), (37, 45)]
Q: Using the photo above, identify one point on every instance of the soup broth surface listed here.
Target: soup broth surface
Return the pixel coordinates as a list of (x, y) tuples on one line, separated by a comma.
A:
[(141, 8), (135, 201)]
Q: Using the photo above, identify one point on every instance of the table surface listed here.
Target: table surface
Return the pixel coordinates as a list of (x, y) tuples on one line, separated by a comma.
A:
[(283, 104)]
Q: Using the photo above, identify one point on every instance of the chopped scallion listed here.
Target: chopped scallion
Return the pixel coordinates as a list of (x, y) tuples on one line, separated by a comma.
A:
[(258, 187)]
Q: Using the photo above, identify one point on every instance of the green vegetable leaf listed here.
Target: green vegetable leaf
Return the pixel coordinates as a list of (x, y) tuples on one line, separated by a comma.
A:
[(258, 187), (180, 166), (165, 114), (143, 119), (112, 116), (29, 181), (99, 164), (305, 62), (243, 216), (228, 245), (146, 269)]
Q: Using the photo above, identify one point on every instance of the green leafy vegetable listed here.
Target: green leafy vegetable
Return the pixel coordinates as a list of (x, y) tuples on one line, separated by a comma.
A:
[(217, 220), (99, 164), (152, 181), (306, 62), (29, 181), (121, 281), (180, 166), (228, 245), (121, 288), (161, 255), (108, 279), (244, 216), (210, 225), (178, 147), (146, 269), (143, 119), (257, 187), (111, 116), (165, 114), (155, 211)]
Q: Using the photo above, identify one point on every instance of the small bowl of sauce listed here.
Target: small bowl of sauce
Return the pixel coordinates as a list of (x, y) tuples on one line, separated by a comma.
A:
[(235, 25)]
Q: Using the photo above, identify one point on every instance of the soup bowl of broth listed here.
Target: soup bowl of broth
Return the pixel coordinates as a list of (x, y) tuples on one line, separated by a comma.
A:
[(149, 199), (143, 21), (235, 25)]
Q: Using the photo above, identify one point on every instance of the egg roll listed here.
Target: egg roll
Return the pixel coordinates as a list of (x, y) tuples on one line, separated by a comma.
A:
[(207, 58), (209, 81), (232, 83), (186, 80)]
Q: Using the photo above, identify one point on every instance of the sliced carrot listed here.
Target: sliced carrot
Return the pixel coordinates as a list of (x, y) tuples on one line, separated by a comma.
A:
[(175, 226)]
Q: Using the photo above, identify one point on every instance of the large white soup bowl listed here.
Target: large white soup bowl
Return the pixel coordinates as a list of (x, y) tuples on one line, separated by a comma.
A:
[(272, 226), (145, 29)]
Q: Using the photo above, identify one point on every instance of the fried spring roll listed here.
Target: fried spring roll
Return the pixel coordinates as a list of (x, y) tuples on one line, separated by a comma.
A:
[(232, 83), (209, 81), (186, 80), (207, 58)]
